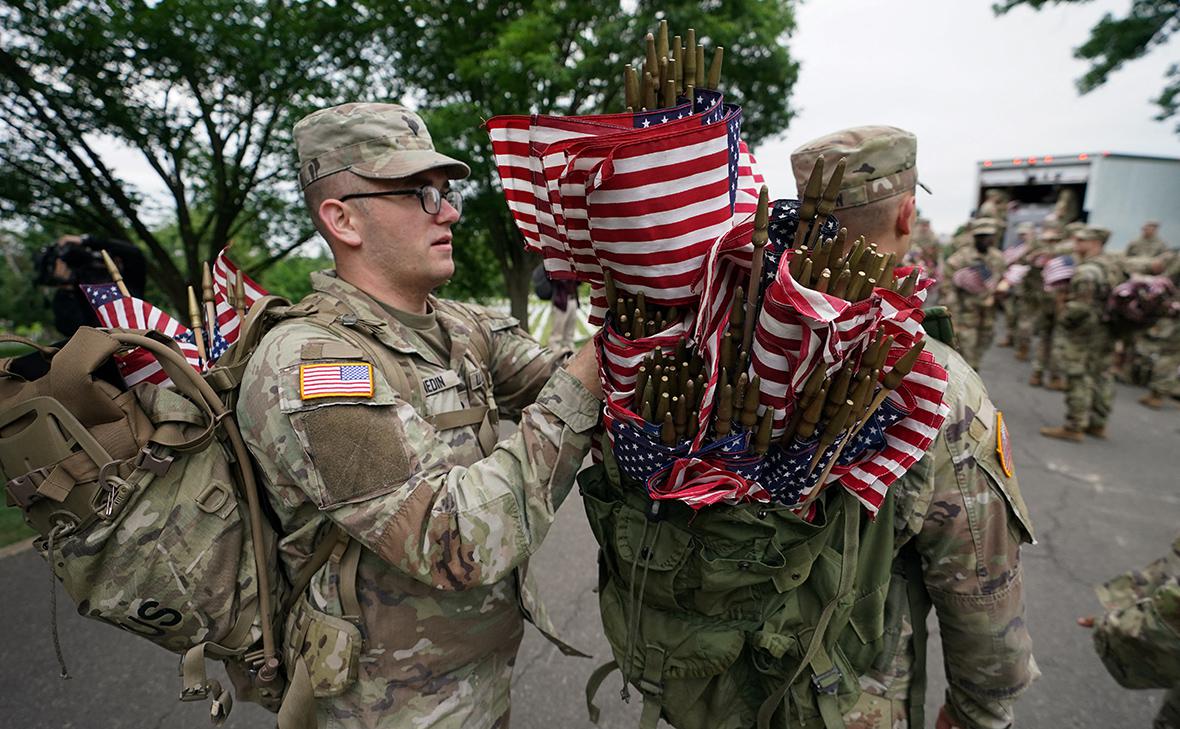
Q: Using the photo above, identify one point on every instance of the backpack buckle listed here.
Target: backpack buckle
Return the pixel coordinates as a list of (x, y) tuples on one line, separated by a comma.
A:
[(149, 461), (23, 489), (827, 682), (195, 693)]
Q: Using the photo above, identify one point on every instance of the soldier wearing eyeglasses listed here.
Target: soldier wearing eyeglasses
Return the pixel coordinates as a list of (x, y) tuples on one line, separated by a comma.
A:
[(372, 410)]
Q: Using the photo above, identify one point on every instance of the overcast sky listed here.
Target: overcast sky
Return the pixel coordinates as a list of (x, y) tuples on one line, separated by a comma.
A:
[(970, 84)]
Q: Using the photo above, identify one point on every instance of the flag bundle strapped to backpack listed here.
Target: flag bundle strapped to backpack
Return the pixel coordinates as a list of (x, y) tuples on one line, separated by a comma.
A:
[(227, 294), (749, 351)]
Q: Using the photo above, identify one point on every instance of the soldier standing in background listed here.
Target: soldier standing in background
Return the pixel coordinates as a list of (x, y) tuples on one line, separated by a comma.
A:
[(972, 275), (1088, 354), (1138, 639), (1147, 244), (959, 521), (1043, 307), (435, 519), (1016, 307), (1165, 336)]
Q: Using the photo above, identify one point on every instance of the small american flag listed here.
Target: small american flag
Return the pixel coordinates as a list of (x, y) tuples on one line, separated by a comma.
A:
[(1015, 253), (336, 379), (127, 312), (973, 279), (224, 274), (1058, 270)]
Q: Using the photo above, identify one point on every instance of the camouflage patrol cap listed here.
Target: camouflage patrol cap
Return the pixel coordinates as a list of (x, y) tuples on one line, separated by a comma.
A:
[(1071, 229), (381, 141), (882, 162), (1093, 232), (984, 226)]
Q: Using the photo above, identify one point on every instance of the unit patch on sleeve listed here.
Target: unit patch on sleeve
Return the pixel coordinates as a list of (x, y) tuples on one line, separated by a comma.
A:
[(1004, 446), (335, 379)]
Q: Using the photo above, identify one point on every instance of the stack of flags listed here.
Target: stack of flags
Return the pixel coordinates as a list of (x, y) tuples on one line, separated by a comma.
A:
[(642, 193)]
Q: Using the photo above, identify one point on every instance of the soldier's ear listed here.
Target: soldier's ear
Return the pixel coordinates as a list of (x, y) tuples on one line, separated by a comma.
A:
[(907, 214), (340, 222)]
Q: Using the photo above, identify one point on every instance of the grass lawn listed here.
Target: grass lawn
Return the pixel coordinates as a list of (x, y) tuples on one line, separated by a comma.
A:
[(12, 526)]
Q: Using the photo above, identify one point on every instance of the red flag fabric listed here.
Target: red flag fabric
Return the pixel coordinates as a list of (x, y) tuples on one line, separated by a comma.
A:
[(225, 272)]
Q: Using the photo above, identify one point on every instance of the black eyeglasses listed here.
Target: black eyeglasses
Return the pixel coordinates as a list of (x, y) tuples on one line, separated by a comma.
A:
[(429, 196)]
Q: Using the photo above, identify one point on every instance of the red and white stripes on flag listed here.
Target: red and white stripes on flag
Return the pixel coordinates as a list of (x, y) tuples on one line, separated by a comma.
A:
[(224, 275), (920, 396), (656, 205), (140, 365)]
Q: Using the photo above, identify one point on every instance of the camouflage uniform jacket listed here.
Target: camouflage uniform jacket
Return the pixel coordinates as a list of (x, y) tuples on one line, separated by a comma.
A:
[(963, 516), (1139, 637), (446, 532), (1088, 290)]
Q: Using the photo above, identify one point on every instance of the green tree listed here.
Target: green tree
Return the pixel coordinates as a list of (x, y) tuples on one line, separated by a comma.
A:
[(204, 92), (1114, 41), (467, 61)]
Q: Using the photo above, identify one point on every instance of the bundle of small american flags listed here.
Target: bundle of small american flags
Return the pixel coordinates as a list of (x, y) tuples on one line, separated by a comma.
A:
[(116, 310), (658, 207)]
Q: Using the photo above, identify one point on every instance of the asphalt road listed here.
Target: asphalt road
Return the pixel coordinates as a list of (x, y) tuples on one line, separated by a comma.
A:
[(1099, 508)]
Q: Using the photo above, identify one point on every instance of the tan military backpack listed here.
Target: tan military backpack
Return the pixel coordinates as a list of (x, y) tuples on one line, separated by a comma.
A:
[(147, 509)]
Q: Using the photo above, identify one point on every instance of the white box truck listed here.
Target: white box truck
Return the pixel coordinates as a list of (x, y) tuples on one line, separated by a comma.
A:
[(1115, 191)]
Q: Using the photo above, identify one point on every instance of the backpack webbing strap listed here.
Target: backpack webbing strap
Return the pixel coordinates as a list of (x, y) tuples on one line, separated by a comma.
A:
[(298, 708), (321, 555), (831, 715), (594, 683), (651, 686), (350, 603), (919, 604)]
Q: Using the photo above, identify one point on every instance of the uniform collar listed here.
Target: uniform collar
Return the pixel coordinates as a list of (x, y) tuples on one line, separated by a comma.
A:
[(386, 328)]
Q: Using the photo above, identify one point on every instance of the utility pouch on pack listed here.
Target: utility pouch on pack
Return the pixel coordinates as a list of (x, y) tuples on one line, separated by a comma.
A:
[(328, 645)]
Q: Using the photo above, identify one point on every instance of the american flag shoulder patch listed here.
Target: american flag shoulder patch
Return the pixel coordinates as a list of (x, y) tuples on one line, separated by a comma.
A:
[(335, 379)]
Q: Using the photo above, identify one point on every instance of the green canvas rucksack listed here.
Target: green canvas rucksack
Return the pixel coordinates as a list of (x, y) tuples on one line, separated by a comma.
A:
[(738, 616), (146, 507)]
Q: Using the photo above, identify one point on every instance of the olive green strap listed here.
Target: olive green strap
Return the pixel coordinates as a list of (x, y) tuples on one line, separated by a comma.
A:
[(458, 418), (594, 683), (919, 604), (197, 686), (350, 603), (298, 708), (320, 557), (651, 686)]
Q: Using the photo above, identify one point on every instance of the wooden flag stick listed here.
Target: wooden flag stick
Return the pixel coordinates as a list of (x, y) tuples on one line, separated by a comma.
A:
[(194, 317), (116, 276)]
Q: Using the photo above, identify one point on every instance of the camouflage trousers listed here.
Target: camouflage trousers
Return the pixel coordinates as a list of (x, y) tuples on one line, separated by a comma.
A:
[(975, 326), (1165, 365), (1088, 355), (1044, 329), (1019, 313)]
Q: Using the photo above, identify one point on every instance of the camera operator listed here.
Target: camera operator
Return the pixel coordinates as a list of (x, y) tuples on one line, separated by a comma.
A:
[(74, 260)]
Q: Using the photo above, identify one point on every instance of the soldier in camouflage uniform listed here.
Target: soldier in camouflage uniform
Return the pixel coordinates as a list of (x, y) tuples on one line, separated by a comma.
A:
[(1148, 243), (1042, 306), (1016, 308), (926, 251), (971, 276), (1138, 638), (372, 412), (960, 518), (1165, 338), (1088, 352)]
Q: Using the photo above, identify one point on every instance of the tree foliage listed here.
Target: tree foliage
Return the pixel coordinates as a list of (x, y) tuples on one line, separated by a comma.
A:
[(1115, 41), (204, 93), (464, 62)]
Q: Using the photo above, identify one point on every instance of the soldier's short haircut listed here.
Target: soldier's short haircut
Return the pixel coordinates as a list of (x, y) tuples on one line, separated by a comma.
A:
[(326, 188), (874, 220)]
